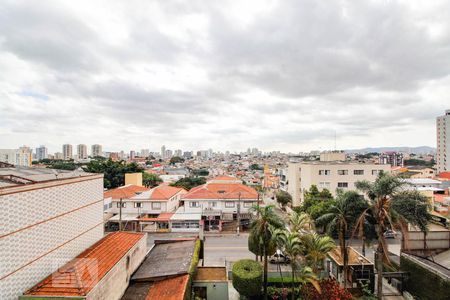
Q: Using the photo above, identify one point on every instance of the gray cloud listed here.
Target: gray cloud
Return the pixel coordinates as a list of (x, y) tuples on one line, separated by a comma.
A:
[(280, 75)]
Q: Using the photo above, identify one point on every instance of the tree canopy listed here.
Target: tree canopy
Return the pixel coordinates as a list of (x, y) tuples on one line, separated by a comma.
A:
[(150, 180), (189, 182), (113, 171), (283, 197)]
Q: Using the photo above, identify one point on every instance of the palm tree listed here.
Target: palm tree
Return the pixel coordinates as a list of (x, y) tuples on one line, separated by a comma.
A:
[(291, 246), (315, 248), (341, 218), (300, 222), (390, 204), (260, 230)]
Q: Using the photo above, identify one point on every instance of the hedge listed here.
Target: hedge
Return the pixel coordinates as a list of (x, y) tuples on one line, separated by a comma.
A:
[(422, 283), (247, 277)]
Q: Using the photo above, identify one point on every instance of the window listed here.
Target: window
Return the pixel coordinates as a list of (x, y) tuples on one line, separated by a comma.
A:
[(324, 172), (185, 224), (229, 204), (342, 172), (375, 172), (358, 172), (137, 204), (342, 185), (156, 205), (248, 204), (123, 205), (213, 204), (194, 204), (324, 184)]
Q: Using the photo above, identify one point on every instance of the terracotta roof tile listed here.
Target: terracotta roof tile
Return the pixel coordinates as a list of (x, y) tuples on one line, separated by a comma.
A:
[(212, 190), (169, 289), (125, 192), (74, 278)]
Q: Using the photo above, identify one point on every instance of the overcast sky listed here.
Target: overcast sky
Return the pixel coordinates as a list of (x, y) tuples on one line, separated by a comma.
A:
[(277, 75)]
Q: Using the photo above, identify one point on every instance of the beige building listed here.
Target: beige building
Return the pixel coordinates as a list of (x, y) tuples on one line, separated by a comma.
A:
[(96, 150), (329, 175), (443, 142), (332, 156), (82, 151), (17, 157), (67, 152)]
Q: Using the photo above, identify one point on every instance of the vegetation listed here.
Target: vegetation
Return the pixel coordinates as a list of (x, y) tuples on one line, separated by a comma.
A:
[(189, 182), (113, 171), (262, 233), (315, 248), (176, 159), (389, 206), (58, 164), (329, 290), (247, 277), (256, 167), (419, 162), (200, 172), (150, 180), (316, 203), (195, 257), (283, 198)]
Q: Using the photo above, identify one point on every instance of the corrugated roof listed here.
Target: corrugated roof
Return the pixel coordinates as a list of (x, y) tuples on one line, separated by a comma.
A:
[(75, 278)]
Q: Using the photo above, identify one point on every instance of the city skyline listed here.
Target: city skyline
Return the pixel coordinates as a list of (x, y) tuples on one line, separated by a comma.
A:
[(224, 75)]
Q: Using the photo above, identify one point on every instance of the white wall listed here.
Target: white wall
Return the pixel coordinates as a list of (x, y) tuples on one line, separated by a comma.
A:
[(68, 218)]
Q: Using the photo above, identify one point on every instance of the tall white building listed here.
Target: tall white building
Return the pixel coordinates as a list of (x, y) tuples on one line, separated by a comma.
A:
[(82, 151), (443, 142), (50, 217), (96, 150), (144, 153), (67, 151), (163, 152), (41, 152), (17, 157)]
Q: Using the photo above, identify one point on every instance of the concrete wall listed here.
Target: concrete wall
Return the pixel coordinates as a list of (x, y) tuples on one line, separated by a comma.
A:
[(215, 290), (133, 178), (113, 285)]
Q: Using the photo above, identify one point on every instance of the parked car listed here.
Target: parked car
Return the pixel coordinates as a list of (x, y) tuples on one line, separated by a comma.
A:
[(279, 258), (390, 234)]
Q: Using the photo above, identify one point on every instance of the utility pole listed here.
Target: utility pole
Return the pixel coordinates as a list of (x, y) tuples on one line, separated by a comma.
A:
[(120, 214), (239, 214)]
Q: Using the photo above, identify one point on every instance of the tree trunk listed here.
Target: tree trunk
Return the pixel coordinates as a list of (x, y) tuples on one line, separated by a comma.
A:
[(265, 274), (293, 283), (379, 265)]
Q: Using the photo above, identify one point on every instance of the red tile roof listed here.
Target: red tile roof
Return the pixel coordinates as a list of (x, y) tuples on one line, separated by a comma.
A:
[(164, 217), (224, 178), (213, 190), (165, 192), (74, 278), (169, 289), (444, 175), (125, 192)]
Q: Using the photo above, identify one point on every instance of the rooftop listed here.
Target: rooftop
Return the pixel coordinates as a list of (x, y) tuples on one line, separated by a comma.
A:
[(125, 192), (354, 257), (74, 279), (166, 259), (224, 190), (18, 176), (171, 289), (161, 192), (211, 274)]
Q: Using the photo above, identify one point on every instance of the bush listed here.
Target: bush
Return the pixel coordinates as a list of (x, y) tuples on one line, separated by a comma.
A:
[(330, 290), (247, 277)]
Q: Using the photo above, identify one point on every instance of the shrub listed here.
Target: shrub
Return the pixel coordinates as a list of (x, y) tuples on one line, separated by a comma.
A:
[(247, 277), (330, 290)]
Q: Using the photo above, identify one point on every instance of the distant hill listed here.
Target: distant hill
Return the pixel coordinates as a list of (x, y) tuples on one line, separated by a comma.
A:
[(416, 150)]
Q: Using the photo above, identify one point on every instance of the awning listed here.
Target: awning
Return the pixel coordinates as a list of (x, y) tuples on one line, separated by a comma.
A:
[(164, 217), (180, 214), (125, 217)]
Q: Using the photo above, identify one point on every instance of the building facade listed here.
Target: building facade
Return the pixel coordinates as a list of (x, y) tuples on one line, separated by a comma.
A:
[(96, 150), (82, 151), (41, 153), (18, 157), (392, 158), (443, 142), (55, 216), (67, 151), (331, 175)]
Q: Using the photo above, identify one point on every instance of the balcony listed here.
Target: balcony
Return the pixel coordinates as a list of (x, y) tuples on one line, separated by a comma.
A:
[(209, 211)]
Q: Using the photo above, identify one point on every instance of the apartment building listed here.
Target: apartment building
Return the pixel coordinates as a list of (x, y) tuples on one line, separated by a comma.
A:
[(221, 200), (96, 150), (329, 175), (53, 214), (395, 159), (443, 142), (21, 157), (67, 151), (41, 153), (82, 151)]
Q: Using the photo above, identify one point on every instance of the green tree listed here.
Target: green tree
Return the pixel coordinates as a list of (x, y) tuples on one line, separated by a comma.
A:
[(150, 180), (283, 198), (299, 221), (176, 159), (189, 182), (256, 167), (390, 205), (341, 217), (261, 232), (113, 171), (247, 275), (315, 249)]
